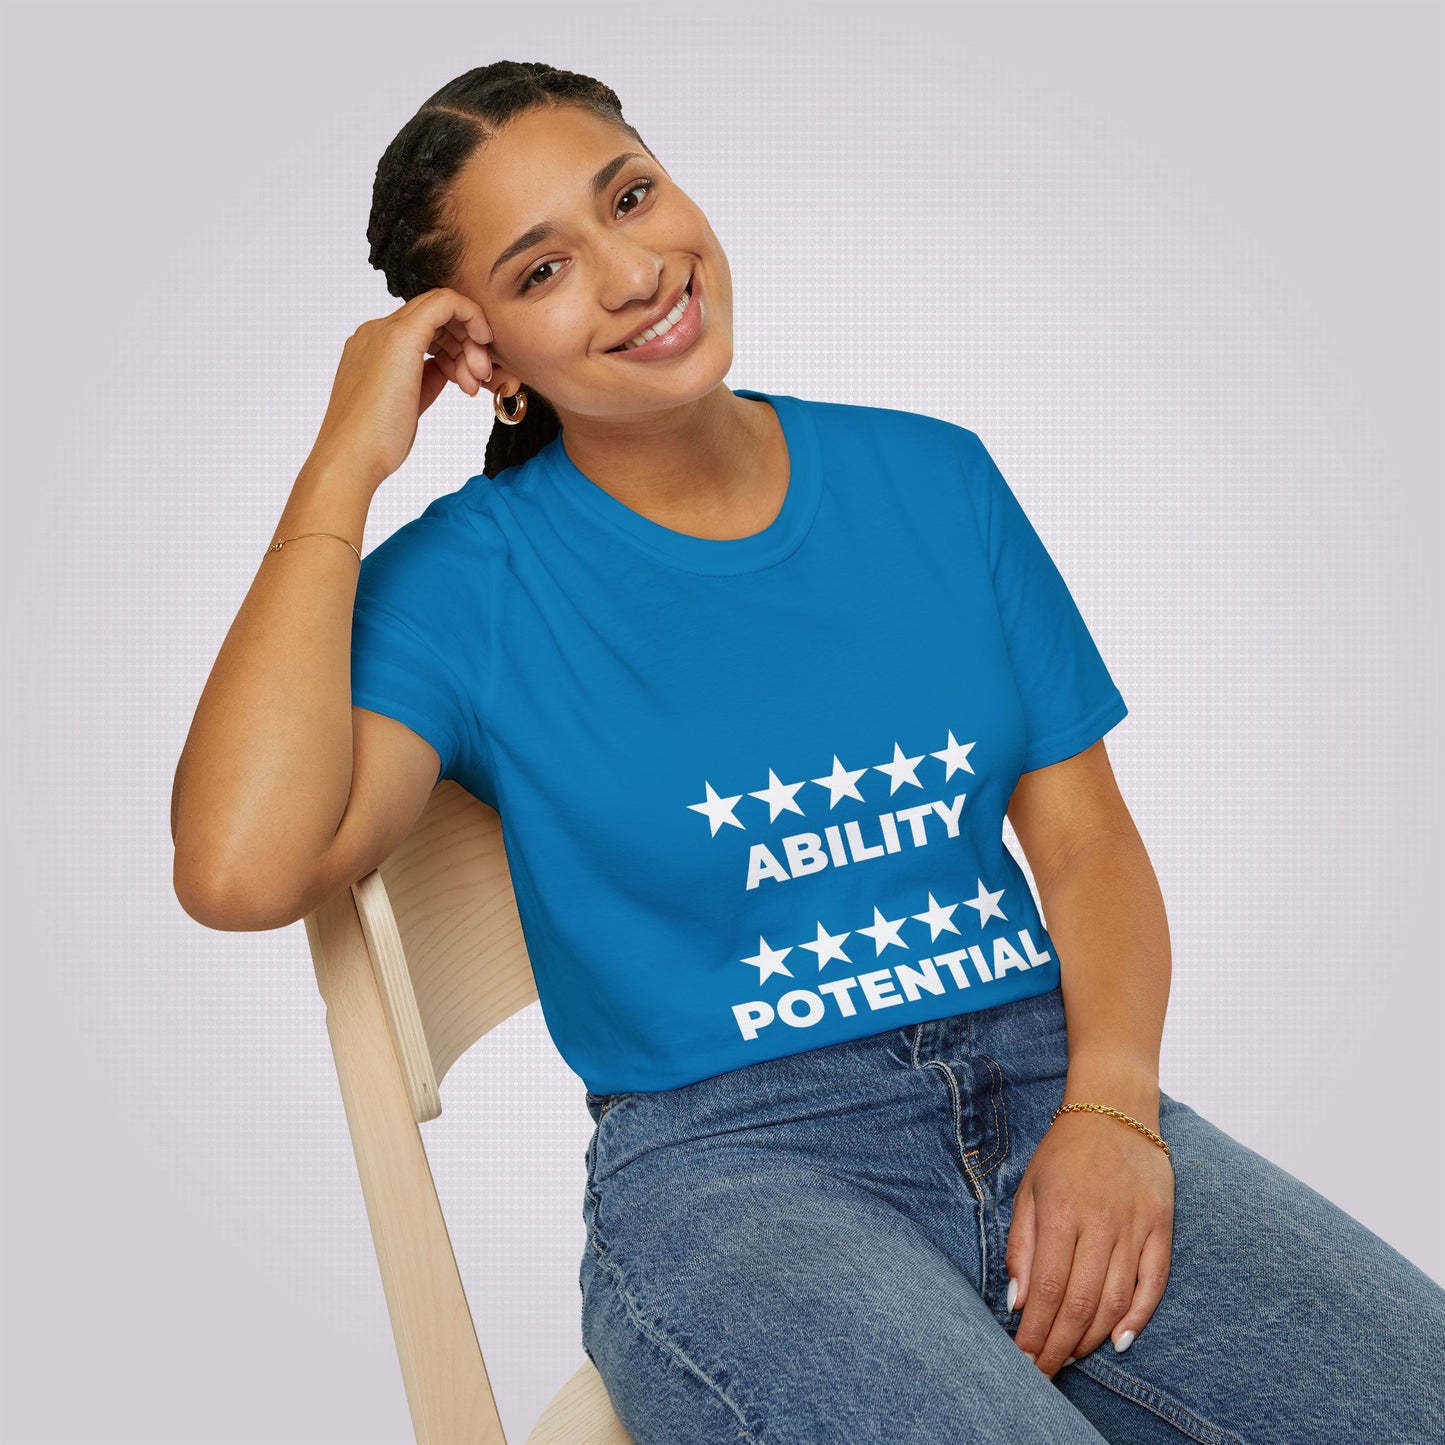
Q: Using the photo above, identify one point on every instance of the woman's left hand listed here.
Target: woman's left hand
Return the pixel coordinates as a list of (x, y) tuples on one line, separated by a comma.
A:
[(1090, 1241)]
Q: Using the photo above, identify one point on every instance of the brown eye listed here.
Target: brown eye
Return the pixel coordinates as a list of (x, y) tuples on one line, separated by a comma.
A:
[(531, 278), (643, 185)]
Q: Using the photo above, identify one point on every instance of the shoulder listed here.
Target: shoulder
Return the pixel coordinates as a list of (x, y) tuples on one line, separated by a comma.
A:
[(911, 453), (905, 432), (449, 548)]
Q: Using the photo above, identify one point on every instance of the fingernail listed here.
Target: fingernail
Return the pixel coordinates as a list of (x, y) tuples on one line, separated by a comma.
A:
[(1123, 1342), (1013, 1293), (1032, 1359)]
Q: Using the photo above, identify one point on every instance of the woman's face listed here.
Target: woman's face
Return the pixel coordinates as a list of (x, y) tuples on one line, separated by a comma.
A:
[(560, 303)]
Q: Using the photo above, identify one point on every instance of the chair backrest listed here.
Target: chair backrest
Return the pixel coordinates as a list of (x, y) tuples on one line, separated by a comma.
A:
[(416, 962), (441, 923)]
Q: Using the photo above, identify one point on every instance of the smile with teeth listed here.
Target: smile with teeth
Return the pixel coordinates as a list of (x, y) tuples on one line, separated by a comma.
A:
[(663, 326)]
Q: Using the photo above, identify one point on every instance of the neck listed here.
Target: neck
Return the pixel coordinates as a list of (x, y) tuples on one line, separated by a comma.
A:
[(695, 461)]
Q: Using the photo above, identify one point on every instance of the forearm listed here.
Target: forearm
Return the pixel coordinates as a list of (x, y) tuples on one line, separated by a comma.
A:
[(1105, 914), (266, 770)]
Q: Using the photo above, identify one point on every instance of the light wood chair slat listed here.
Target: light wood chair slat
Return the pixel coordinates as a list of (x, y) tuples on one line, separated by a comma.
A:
[(416, 962)]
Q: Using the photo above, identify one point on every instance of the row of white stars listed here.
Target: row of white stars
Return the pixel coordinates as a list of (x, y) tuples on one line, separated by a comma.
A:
[(883, 931), (841, 783)]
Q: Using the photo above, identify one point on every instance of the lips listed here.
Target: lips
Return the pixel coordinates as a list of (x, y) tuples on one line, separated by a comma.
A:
[(652, 320)]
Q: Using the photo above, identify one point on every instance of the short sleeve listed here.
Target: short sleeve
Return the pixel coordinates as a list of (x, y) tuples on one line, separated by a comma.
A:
[(1070, 700), (407, 639)]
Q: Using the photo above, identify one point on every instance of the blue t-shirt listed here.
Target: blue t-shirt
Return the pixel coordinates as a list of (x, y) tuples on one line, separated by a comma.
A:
[(752, 791)]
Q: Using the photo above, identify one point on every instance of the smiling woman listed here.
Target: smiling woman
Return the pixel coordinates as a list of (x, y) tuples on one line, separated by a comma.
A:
[(879, 1156), (510, 185)]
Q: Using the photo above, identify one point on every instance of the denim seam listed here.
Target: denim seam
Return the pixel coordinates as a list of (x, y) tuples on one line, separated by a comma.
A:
[(659, 1337), (1000, 1116), (957, 1112), (981, 1167), (917, 1040), (593, 1196), (1165, 1406), (592, 1243)]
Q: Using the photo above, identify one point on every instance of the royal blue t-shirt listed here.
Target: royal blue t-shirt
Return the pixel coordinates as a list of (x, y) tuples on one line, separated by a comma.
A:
[(752, 791)]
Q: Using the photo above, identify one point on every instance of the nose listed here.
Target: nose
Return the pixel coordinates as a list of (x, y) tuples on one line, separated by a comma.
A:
[(630, 273)]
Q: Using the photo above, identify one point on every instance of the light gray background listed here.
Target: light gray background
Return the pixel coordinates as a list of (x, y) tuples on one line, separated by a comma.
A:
[(1178, 265)]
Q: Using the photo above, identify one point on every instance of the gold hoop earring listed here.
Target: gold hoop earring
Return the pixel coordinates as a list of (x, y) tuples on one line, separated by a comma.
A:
[(499, 406)]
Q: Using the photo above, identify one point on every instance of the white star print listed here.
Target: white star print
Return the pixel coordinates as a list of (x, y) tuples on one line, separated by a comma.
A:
[(769, 961), (718, 810), (987, 904), (829, 942), (841, 782), (900, 770), (938, 918), (884, 930), (778, 795), (955, 755)]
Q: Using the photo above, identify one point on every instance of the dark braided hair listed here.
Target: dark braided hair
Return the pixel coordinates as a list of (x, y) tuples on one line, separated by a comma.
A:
[(414, 238)]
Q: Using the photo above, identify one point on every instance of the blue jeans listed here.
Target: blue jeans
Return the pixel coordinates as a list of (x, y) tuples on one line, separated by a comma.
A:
[(811, 1249)]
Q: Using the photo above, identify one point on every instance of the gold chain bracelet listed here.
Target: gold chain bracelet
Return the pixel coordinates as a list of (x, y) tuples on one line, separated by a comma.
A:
[(1113, 1114), (277, 546)]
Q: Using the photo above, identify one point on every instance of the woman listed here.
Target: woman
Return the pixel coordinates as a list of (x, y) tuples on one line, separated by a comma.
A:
[(752, 682)]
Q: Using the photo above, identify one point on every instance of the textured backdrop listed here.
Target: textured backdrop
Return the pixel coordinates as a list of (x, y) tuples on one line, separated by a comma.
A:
[(1177, 265)]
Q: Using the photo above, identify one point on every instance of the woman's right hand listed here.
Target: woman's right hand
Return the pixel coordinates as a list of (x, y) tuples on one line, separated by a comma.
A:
[(392, 368)]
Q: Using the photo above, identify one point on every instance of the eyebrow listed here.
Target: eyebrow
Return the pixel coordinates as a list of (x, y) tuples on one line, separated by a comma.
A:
[(545, 228)]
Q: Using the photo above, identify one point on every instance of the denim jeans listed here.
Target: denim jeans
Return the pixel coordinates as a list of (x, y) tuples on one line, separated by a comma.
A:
[(811, 1249)]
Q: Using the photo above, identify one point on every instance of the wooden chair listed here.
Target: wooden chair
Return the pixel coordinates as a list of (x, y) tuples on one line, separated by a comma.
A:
[(416, 962)]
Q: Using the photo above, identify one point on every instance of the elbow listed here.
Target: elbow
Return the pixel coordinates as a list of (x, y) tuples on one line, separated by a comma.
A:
[(230, 904)]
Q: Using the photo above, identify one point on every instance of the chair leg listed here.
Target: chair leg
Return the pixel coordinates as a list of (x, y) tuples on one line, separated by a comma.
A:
[(446, 1380)]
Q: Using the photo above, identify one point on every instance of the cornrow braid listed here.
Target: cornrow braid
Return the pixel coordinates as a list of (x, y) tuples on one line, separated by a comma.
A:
[(413, 233)]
